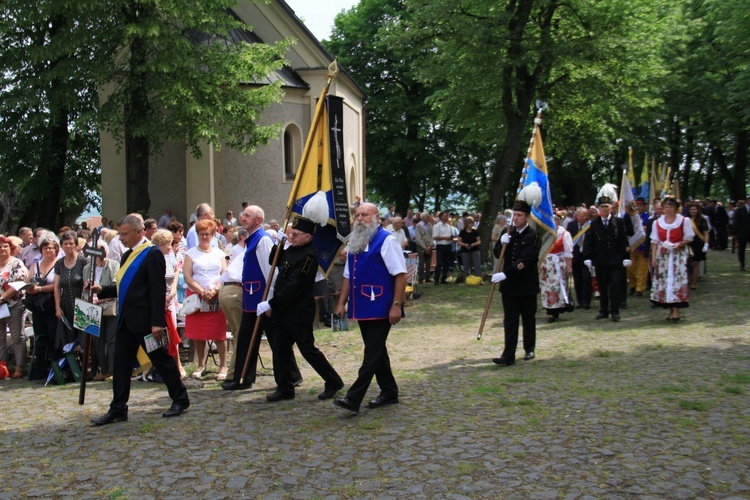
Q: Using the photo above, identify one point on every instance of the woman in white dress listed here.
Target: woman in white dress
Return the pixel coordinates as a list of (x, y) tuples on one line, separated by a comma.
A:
[(671, 235), (553, 275)]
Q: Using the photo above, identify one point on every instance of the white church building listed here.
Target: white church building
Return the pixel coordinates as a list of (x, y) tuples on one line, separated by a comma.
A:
[(226, 178)]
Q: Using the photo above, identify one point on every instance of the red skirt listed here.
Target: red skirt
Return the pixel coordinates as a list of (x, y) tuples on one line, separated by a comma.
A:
[(205, 325)]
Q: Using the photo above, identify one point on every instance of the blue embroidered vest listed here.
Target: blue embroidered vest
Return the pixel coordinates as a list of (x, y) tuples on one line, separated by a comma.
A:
[(371, 287), (253, 281)]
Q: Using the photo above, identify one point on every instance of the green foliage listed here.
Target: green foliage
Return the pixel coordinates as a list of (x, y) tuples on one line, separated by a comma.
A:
[(171, 71)]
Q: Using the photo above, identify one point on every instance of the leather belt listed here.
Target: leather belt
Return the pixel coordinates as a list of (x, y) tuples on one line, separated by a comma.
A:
[(232, 283)]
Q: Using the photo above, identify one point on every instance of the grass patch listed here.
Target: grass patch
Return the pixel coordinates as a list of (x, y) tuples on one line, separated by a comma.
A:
[(520, 380), (348, 491), (570, 364), (488, 389), (466, 468), (733, 389), (671, 389), (603, 353), (687, 404), (737, 378), (370, 425)]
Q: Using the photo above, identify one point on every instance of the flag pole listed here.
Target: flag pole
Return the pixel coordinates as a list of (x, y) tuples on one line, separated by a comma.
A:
[(333, 70), (537, 123)]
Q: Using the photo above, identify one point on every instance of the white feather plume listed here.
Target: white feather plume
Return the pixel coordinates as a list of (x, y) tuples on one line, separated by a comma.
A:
[(531, 194), (316, 209), (608, 190)]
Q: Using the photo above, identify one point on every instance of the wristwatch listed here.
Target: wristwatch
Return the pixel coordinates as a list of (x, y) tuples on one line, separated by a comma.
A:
[(396, 303)]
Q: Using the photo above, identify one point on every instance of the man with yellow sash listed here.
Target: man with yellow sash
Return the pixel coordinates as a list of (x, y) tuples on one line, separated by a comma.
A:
[(140, 292)]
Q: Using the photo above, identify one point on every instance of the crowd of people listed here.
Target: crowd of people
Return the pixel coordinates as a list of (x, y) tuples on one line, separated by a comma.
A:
[(149, 268)]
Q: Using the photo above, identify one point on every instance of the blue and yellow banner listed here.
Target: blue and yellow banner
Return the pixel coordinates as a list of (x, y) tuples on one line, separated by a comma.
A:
[(322, 169), (541, 216), (126, 272)]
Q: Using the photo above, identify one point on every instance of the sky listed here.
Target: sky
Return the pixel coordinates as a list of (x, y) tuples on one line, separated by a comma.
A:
[(318, 14)]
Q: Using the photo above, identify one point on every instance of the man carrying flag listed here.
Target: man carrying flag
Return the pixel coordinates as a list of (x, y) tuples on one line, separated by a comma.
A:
[(141, 293)]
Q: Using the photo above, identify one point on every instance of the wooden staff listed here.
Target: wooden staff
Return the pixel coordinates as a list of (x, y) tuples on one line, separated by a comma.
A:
[(537, 122), (255, 338), (93, 251)]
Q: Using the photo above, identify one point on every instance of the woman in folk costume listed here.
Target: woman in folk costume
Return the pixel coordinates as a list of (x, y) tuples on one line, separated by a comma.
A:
[(553, 275), (671, 235), (699, 245)]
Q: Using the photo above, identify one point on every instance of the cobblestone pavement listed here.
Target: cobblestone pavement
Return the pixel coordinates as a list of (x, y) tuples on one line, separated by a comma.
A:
[(640, 408)]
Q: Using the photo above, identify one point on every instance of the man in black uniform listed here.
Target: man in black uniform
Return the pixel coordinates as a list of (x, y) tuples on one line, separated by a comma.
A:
[(581, 274), (292, 313), (606, 248), (519, 284)]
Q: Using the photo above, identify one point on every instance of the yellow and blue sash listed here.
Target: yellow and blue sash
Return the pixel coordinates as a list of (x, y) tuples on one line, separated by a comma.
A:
[(127, 271)]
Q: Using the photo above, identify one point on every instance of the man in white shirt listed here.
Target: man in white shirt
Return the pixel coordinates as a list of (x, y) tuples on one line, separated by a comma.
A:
[(396, 228), (202, 211), (442, 234)]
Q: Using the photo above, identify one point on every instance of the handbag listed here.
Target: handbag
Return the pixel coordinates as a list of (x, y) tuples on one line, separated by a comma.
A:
[(191, 305), (39, 302), (109, 307)]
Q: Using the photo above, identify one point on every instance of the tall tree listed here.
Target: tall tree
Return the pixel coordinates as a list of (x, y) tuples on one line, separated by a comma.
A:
[(492, 61), (188, 72), (49, 148), (406, 158)]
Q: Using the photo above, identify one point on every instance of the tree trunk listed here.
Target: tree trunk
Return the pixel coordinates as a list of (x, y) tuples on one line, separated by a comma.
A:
[(137, 111), (736, 188)]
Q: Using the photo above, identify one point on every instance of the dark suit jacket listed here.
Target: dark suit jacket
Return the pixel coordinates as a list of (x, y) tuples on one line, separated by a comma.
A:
[(573, 227), (606, 247), (742, 223), (523, 252), (144, 303)]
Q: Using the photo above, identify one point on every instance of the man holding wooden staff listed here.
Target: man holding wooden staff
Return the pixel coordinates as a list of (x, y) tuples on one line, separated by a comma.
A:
[(519, 284)]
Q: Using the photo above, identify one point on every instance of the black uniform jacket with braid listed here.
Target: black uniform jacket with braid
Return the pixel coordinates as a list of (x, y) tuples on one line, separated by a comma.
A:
[(520, 263), (293, 300)]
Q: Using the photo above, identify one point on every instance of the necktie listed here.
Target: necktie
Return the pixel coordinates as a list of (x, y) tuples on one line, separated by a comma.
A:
[(126, 255), (606, 223)]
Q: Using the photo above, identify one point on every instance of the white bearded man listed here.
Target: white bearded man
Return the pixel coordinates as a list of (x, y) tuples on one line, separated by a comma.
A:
[(374, 284)]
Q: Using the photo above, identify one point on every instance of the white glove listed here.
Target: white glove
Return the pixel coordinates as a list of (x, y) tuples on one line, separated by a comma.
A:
[(505, 239), (498, 277), (705, 248), (263, 307), (587, 263), (626, 263)]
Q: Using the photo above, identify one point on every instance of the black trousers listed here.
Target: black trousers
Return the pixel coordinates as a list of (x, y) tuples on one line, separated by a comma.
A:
[(582, 282), (285, 335), (741, 245), (443, 262), (376, 362), (515, 307), (244, 336), (610, 288), (126, 349)]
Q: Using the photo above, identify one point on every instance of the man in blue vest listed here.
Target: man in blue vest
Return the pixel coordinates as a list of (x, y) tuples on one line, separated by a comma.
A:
[(374, 285), (255, 269)]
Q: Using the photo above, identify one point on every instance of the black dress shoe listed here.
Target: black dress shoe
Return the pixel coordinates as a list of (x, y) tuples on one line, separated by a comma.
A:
[(529, 356), (615, 317), (278, 396), (602, 316), (231, 385), (503, 361), (347, 404), (175, 410), (382, 400), (110, 418), (330, 392)]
